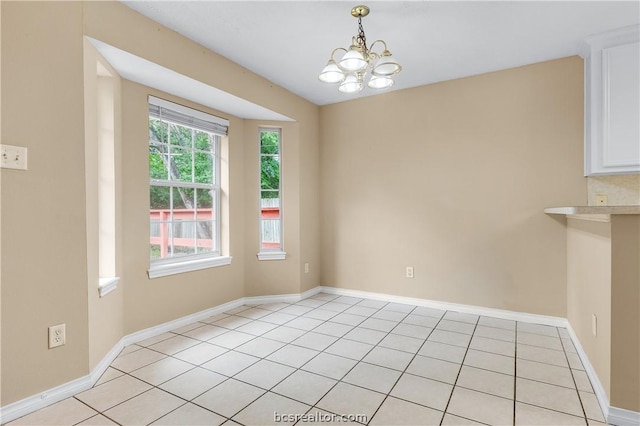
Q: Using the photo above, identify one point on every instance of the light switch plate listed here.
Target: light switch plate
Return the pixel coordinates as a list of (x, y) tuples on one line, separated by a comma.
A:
[(13, 157)]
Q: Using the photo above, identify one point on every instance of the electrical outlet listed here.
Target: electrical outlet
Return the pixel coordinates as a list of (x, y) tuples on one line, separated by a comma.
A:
[(306, 268), (13, 157), (602, 200), (57, 335), (594, 324), (409, 272)]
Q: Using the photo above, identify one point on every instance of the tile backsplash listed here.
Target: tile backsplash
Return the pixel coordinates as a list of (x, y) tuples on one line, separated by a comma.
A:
[(621, 190)]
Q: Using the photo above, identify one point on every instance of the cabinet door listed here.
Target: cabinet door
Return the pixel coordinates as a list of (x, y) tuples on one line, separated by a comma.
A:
[(612, 103), (621, 107)]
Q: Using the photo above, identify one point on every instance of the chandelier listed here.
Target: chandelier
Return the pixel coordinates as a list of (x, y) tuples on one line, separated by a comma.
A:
[(351, 70)]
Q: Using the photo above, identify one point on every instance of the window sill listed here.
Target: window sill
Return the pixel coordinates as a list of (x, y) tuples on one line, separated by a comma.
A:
[(107, 285), (272, 255), (163, 270)]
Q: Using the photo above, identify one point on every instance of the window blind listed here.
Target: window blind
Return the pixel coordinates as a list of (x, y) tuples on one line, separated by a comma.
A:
[(182, 115)]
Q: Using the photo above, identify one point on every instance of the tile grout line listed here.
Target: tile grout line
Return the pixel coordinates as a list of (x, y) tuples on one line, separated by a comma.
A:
[(260, 359), (575, 388), (229, 418), (98, 413), (360, 360), (264, 358), (377, 345), (192, 401), (460, 370), (584, 412), (312, 406), (194, 367), (408, 364)]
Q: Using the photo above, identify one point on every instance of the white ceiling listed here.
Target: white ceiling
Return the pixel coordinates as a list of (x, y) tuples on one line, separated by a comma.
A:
[(289, 42)]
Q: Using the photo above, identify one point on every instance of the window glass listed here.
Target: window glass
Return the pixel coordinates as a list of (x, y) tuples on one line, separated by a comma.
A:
[(184, 188), (270, 190)]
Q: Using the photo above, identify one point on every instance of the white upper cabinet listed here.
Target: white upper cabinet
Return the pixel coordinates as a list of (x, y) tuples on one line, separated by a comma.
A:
[(612, 102)]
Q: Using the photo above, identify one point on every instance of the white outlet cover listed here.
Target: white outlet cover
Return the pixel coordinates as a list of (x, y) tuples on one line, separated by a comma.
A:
[(57, 335), (409, 272)]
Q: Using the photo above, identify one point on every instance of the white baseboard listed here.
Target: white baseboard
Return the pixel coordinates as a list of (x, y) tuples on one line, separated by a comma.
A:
[(622, 417), (43, 399), (102, 366), (601, 394), (614, 415), (156, 330), (467, 309), (282, 298)]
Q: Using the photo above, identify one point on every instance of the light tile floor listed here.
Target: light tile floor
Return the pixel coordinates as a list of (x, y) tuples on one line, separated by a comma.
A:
[(381, 363)]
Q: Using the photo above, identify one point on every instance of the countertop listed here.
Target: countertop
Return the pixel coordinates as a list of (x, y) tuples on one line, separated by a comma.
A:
[(596, 210)]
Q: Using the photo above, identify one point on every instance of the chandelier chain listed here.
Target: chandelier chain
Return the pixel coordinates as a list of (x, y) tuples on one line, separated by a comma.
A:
[(362, 39)]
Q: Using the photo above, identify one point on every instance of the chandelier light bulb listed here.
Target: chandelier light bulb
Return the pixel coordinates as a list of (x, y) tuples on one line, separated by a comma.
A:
[(380, 82), (331, 73), (386, 65), (351, 84), (353, 61)]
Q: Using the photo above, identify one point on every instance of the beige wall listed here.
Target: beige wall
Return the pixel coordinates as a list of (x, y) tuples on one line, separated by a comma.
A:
[(49, 262), (310, 207), (603, 262), (452, 178), (625, 312), (589, 291), (44, 246)]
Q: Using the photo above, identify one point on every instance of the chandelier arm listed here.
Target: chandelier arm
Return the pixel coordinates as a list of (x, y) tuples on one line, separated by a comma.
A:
[(335, 50), (378, 41)]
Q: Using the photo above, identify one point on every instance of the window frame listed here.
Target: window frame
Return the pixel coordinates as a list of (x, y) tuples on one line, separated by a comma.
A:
[(191, 262), (277, 253)]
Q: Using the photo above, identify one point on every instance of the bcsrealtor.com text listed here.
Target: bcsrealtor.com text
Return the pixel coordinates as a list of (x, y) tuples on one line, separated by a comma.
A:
[(319, 417)]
